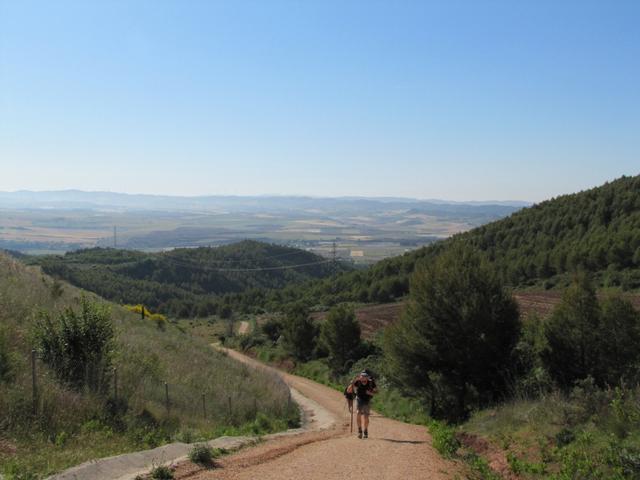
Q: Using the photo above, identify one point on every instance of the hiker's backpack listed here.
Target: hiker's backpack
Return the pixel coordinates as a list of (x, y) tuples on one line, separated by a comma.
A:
[(347, 395)]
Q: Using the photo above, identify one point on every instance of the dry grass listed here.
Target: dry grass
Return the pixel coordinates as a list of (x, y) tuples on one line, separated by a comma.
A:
[(71, 427)]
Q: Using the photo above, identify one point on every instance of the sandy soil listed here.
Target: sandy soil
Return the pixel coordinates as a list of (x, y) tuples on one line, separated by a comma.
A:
[(395, 450)]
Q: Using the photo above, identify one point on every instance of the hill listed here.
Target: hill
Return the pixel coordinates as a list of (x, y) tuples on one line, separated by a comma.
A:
[(597, 231), (186, 282), (71, 423)]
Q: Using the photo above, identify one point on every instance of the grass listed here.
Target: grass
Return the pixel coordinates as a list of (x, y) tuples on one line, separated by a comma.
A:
[(587, 434), (71, 427)]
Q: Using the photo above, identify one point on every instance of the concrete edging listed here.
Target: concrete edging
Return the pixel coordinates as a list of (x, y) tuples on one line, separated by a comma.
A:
[(127, 466)]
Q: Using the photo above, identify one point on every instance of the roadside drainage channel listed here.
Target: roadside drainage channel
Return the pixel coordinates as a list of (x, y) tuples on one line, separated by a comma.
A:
[(127, 466)]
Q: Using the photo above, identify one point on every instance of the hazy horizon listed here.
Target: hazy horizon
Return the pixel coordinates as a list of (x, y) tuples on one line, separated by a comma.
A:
[(514, 201)]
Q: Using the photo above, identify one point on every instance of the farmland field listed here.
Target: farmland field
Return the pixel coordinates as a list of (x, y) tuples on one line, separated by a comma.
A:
[(364, 230), (373, 318)]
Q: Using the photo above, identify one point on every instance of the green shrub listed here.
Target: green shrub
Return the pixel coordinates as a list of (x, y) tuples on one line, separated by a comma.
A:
[(251, 340), (272, 328), (480, 469), (564, 437), (78, 346), (201, 454), (519, 466), (444, 438), (161, 472)]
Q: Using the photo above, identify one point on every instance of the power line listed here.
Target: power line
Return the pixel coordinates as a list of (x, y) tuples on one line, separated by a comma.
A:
[(170, 256), (254, 269)]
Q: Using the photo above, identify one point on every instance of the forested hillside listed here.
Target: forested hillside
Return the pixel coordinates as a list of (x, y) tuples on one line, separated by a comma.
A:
[(186, 282), (596, 230)]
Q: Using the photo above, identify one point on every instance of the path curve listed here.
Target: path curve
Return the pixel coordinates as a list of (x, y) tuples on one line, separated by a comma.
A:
[(394, 451)]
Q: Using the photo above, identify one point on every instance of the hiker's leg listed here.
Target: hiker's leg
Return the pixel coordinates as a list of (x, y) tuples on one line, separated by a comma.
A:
[(359, 420), (366, 421)]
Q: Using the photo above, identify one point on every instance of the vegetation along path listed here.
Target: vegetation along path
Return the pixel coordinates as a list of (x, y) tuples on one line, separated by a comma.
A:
[(395, 450)]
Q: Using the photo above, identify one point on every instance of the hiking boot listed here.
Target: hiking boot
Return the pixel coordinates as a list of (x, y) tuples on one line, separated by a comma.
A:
[(366, 434), (359, 433)]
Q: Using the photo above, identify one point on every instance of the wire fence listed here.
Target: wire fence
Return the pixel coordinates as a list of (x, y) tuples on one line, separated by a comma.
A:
[(191, 404)]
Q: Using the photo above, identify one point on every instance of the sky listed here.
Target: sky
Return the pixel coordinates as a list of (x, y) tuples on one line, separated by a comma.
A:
[(457, 100)]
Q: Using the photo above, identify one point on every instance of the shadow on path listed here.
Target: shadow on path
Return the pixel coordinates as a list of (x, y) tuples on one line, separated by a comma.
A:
[(412, 442)]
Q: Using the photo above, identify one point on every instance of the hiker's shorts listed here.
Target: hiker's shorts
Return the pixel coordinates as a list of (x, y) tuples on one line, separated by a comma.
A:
[(363, 407)]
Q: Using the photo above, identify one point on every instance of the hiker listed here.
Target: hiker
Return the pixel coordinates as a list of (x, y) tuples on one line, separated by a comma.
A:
[(363, 387)]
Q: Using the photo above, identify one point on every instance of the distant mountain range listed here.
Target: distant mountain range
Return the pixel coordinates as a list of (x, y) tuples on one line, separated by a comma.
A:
[(78, 199)]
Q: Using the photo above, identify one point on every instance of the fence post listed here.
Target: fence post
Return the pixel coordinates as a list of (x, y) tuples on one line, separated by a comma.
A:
[(115, 385), (142, 311), (204, 407), (166, 395), (34, 386)]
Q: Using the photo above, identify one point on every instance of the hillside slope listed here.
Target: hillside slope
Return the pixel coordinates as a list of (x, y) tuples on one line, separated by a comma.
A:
[(596, 230), (71, 425), (184, 282)]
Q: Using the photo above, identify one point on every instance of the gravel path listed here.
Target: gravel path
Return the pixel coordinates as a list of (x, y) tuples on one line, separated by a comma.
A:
[(395, 450)]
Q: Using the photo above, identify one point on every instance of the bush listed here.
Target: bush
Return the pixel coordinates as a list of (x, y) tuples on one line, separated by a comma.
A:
[(272, 328), (201, 454), (161, 472), (79, 346), (564, 437), (251, 340), (444, 438)]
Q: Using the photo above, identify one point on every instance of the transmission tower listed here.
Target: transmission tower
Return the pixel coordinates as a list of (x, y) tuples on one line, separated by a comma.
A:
[(334, 259)]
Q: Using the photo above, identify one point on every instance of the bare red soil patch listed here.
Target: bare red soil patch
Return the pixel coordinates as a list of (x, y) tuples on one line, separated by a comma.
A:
[(374, 318), (495, 456)]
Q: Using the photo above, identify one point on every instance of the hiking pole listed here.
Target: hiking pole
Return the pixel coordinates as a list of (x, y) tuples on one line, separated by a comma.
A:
[(351, 410)]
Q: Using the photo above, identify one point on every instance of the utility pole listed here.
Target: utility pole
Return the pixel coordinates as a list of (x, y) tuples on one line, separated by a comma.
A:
[(334, 254)]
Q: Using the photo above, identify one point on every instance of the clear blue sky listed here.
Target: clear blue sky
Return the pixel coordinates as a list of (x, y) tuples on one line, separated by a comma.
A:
[(445, 99)]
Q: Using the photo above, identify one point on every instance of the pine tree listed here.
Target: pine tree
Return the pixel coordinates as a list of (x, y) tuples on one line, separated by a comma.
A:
[(299, 333), (455, 338), (340, 334)]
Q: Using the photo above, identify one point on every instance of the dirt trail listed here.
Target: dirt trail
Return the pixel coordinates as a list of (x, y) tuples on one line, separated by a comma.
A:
[(395, 450)]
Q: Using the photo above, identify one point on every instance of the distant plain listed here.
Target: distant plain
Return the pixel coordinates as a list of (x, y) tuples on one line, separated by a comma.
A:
[(365, 230)]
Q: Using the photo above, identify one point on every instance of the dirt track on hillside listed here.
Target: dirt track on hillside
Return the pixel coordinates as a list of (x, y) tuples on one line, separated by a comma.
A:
[(395, 450)]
